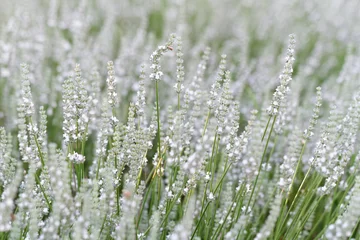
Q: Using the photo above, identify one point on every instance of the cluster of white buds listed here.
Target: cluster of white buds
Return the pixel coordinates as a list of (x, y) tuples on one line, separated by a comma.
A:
[(287, 168), (179, 87), (207, 176), (140, 101), (75, 107), (345, 225), (270, 222), (76, 157), (309, 131), (111, 87), (211, 196), (216, 87), (26, 96), (240, 145), (221, 112), (155, 57), (285, 78)]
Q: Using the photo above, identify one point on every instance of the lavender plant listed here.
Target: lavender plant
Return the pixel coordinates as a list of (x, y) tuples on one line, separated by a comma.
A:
[(179, 120)]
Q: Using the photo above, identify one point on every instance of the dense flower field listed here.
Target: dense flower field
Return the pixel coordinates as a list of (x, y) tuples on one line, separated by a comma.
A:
[(179, 119)]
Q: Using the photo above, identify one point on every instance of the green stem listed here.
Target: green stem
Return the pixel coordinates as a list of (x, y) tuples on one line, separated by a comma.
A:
[(212, 159), (37, 143), (158, 116), (292, 203), (198, 223), (262, 161), (267, 125), (219, 228), (43, 191), (206, 123)]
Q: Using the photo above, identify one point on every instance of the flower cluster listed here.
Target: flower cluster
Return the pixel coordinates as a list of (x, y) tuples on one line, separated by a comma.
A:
[(112, 95), (181, 145), (285, 78), (76, 158), (155, 57)]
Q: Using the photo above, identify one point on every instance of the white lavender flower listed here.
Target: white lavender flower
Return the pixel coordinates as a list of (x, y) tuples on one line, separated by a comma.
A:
[(309, 131), (270, 222), (7, 203), (179, 87), (344, 225), (76, 157), (285, 78), (216, 87), (26, 95), (111, 87), (291, 158), (225, 99), (155, 57), (140, 101)]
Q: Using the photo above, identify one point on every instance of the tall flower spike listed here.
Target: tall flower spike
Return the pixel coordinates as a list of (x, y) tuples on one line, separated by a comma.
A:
[(69, 110), (82, 107), (270, 222), (216, 87), (112, 95), (179, 87), (344, 225), (224, 101), (308, 133), (140, 101), (155, 57), (26, 91), (285, 78)]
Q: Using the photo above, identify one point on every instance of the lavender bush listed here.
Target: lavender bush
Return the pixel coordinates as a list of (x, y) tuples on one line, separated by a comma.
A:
[(179, 119)]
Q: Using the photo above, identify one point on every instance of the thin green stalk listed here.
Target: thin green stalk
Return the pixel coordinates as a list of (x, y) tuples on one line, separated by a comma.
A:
[(150, 176), (178, 195), (98, 168), (267, 125), (266, 164), (316, 225), (142, 207), (204, 198), (102, 225), (206, 123), (158, 116), (355, 228), (263, 211), (198, 223), (178, 104), (240, 204), (262, 161), (292, 203), (43, 192), (37, 143), (215, 190), (213, 154), (307, 201), (332, 215), (308, 214), (222, 177), (296, 170), (219, 228)]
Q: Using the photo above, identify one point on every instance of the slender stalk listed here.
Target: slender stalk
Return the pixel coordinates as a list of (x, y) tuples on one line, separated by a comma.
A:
[(260, 165), (158, 116), (205, 125), (293, 202), (219, 228), (43, 191), (198, 223), (41, 156), (267, 125)]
